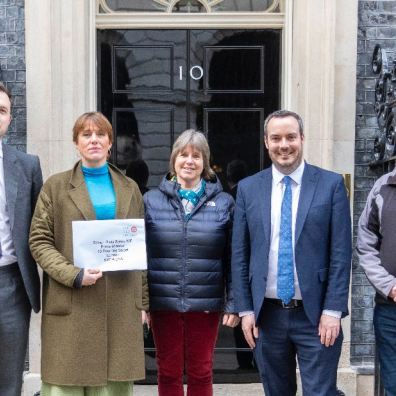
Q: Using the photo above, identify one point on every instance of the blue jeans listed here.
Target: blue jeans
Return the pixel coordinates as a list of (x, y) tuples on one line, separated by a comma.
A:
[(385, 336)]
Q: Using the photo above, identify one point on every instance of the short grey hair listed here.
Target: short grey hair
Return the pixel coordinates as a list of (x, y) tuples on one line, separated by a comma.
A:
[(197, 140), (284, 114)]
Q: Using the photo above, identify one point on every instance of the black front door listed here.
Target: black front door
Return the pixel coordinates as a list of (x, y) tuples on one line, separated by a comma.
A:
[(154, 84)]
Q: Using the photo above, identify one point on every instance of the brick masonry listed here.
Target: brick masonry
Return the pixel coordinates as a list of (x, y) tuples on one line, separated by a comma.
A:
[(376, 25), (12, 66)]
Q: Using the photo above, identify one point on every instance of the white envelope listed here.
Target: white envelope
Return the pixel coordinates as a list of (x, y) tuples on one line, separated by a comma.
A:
[(110, 245)]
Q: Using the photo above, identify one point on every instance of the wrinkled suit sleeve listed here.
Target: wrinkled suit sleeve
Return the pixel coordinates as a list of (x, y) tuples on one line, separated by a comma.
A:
[(336, 298), (229, 300), (241, 256), (42, 244), (145, 290)]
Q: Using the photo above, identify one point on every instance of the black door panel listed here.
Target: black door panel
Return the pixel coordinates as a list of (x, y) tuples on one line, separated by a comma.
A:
[(153, 84)]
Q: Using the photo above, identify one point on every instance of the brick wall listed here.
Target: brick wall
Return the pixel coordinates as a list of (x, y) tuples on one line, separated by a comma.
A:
[(377, 25), (12, 66)]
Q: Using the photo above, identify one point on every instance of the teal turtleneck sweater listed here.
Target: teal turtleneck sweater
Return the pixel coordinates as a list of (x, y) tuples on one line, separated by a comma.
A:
[(101, 191)]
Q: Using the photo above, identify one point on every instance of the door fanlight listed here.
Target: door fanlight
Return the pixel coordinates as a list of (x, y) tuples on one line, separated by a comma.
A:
[(169, 6)]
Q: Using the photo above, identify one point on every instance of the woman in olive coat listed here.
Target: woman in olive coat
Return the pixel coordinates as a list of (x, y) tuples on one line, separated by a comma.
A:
[(92, 322)]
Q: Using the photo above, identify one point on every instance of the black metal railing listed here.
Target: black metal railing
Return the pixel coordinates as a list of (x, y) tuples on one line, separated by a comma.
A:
[(384, 107)]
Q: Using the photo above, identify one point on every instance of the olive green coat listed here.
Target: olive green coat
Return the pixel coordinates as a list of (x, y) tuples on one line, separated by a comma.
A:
[(92, 334)]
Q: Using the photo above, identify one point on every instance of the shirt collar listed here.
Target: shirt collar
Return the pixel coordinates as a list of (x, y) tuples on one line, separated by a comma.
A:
[(1, 147), (296, 176)]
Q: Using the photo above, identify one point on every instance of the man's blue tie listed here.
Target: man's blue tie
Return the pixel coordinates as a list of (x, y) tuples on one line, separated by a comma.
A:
[(285, 284)]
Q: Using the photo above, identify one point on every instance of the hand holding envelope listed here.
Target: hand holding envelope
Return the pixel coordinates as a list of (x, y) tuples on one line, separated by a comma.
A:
[(91, 276), (109, 245)]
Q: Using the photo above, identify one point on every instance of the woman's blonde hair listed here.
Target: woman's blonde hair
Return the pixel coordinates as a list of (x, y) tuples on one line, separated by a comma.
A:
[(198, 141)]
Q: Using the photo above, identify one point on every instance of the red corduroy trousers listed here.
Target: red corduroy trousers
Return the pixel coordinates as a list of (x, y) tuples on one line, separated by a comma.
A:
[(185, 343)]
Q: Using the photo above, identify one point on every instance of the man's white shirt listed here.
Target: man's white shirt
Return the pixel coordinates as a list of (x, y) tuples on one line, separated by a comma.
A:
[(278, 190)]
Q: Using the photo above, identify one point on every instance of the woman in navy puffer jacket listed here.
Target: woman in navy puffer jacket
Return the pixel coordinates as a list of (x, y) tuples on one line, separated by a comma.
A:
[(188, 224)]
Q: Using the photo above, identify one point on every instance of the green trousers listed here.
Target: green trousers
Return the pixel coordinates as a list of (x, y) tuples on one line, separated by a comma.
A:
[(111, 389)]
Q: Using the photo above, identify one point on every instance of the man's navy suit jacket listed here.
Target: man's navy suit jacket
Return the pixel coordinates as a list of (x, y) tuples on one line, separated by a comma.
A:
[(323, 245)]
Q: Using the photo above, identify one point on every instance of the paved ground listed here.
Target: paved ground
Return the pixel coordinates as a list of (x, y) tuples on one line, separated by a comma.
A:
[(218, 390)]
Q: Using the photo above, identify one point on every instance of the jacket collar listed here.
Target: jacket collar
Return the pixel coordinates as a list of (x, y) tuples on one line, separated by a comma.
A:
[(296, 176), (80, 196), (169, 187), (308, 185)]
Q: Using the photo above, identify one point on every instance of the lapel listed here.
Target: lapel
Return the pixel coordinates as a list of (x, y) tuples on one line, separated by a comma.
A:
[(80, 196), (123, 192), (265, 191), (308, 186), (79, 193), (11, 177)]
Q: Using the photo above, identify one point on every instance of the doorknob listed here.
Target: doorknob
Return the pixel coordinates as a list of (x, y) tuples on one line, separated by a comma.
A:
[(196, 72)]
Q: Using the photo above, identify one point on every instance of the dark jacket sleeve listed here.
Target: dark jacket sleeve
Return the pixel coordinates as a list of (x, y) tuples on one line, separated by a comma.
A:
[(336, 297), (241, 256), (229, 295)]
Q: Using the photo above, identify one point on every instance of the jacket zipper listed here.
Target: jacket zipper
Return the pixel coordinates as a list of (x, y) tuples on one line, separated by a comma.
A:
[(184, 255)]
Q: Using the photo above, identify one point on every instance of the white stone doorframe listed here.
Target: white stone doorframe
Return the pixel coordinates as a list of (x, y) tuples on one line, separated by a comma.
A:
[(318, 81)]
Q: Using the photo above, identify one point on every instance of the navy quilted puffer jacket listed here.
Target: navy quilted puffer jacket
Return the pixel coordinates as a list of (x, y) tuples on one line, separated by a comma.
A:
[(189, 260)]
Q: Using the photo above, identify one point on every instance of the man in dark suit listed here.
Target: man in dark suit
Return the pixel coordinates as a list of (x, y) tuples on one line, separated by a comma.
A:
[(291, 264), (20, 183)]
